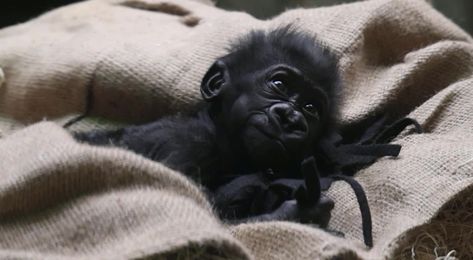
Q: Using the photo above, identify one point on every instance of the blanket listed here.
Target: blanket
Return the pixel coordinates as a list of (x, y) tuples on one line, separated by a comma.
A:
[(131, 61)]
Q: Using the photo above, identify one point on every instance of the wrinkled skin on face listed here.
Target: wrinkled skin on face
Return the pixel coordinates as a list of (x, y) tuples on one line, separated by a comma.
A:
[(277, 117), (275, 108)]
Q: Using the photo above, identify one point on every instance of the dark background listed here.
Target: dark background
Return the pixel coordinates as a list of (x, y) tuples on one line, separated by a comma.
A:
[(16, 11)]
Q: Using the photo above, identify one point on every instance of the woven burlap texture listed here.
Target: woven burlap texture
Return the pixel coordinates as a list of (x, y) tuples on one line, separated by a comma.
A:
[(134, 61)]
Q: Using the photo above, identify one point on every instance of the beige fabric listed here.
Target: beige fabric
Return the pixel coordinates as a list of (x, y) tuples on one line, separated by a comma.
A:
[(143, 59), (63, 199), (2, 77)]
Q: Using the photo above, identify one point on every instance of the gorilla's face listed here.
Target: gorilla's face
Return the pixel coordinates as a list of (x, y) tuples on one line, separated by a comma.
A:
[(274, 113), (273, 95), (277, 115)]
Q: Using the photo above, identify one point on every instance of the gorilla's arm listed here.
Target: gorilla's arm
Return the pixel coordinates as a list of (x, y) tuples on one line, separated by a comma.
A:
[(183, 143)]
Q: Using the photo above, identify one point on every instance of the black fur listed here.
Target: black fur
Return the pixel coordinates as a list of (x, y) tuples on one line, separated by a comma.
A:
[(268, 102)]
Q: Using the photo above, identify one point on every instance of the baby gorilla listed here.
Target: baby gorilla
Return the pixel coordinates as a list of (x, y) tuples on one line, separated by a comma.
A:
[(268, 102)]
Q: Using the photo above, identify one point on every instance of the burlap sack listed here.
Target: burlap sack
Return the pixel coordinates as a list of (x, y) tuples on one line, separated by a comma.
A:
[(133, 61)]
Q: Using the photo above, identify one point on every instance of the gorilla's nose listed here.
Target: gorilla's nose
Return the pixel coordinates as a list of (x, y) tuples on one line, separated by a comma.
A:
[(289, 119)]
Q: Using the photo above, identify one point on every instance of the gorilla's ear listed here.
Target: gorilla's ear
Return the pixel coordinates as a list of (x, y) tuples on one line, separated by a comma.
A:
[(214, 81)]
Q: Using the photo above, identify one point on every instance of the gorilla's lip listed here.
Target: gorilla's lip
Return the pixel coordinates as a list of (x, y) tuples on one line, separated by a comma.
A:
[(271, 137), (260, 122)]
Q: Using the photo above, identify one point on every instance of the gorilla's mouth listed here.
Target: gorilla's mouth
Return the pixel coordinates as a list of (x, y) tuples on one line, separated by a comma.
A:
[(270, 137), (266, 149)]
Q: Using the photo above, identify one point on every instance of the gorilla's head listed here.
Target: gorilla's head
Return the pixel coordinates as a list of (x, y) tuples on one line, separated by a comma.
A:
[(273, 95)]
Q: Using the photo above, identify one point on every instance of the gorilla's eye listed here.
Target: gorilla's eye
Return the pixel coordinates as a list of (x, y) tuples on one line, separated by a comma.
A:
[(310, 109), (279, 85)]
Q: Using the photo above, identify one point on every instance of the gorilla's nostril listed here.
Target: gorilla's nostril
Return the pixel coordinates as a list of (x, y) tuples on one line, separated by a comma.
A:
[(295, 122), (288, 118)]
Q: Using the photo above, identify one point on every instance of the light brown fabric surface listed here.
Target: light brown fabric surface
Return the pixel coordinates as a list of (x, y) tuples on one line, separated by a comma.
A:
[(62, 199)]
